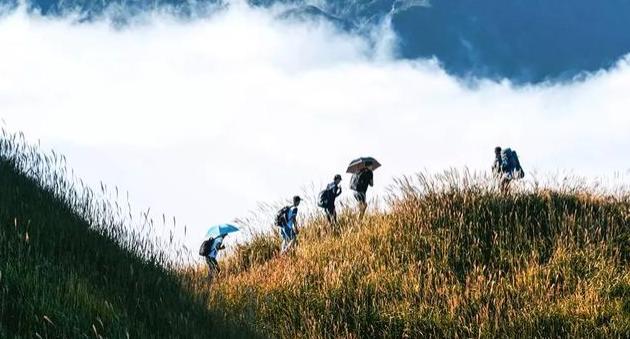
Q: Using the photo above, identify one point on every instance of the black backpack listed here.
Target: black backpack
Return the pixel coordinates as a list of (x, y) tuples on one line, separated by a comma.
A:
[(518, 170), (205, 248), (358, 180), (355, 180), (324, 198), (282, 216)]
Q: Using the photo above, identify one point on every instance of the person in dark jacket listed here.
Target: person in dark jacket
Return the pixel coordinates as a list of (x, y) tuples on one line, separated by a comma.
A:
[(497, 165), (332, 192), (500, 171), (359, 184)]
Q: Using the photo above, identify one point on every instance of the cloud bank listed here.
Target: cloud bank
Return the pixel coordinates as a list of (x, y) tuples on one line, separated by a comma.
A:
[(204, 119)]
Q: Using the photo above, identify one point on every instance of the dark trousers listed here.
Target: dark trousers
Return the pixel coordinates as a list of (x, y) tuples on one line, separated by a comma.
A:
[(331, 214), (213, 268)]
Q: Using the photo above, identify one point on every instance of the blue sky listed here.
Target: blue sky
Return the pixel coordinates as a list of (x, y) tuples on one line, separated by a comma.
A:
[(203, 119)]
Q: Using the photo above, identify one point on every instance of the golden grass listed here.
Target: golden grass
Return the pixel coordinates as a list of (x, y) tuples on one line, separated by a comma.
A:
[(449, 257)]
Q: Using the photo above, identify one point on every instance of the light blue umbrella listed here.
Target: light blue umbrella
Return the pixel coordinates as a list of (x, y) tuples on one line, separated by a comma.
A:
[(219, 230)]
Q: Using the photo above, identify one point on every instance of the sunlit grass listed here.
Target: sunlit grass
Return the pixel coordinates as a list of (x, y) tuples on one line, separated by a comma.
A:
[(450, 256), (444, 256)]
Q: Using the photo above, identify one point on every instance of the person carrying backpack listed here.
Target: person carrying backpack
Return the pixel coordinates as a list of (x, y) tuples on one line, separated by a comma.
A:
[(286, 219), (327, 199), (210, 250), (359, 184), (506, 167)]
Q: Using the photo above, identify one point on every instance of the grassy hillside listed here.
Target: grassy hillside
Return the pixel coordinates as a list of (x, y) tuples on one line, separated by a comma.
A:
[(447, 257), (69, 269), (450, 258)]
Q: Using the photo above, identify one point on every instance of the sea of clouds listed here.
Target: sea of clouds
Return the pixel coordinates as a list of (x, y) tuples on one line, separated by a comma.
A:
[(203, 119)]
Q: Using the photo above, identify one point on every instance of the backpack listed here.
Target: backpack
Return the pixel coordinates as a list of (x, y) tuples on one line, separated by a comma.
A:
[(323, 198), (205, 248), (281, 216), (354, 181), (518, 170), (358, 180), (510, 163)]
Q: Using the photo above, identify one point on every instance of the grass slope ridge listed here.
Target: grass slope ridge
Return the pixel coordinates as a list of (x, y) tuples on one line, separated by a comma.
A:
[(68, 268), (450, 258)]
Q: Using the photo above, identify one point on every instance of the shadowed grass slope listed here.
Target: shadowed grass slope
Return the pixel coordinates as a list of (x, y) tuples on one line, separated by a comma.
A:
[(450, 258), (69, 269)]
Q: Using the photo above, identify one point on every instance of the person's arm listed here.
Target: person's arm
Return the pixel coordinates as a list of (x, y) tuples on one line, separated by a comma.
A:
[(294, 221)]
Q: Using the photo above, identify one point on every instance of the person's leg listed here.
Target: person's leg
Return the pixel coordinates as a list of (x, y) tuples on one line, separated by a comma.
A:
[(360, 198), (213, 267), (332, 218), (362, 207), (362, 204), (286, 246), (209, 264), (285, 239), (289, 239), (215, 263), (331, 215), (505, 185)]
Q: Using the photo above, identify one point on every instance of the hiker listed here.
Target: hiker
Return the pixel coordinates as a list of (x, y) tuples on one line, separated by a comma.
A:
[(327, 199), (210, 250), (286, 219), (359, 184), (506, 167)]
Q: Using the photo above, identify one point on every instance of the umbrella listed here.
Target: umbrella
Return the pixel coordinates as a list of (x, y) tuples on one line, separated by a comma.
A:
[(357, 165), (219, 230)]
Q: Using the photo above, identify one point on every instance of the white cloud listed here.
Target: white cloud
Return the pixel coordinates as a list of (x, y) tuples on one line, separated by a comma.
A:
[(204, 119)]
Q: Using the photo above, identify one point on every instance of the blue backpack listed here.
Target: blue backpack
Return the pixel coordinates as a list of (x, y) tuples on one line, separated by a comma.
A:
[(510, 163)]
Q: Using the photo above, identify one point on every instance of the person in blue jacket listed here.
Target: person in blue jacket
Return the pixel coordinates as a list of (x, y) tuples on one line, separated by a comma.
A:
[(211, 258), (289, 229)]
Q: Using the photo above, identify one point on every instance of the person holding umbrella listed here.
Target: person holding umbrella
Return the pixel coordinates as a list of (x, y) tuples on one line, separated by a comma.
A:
[(362, 177), (213, 244)]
